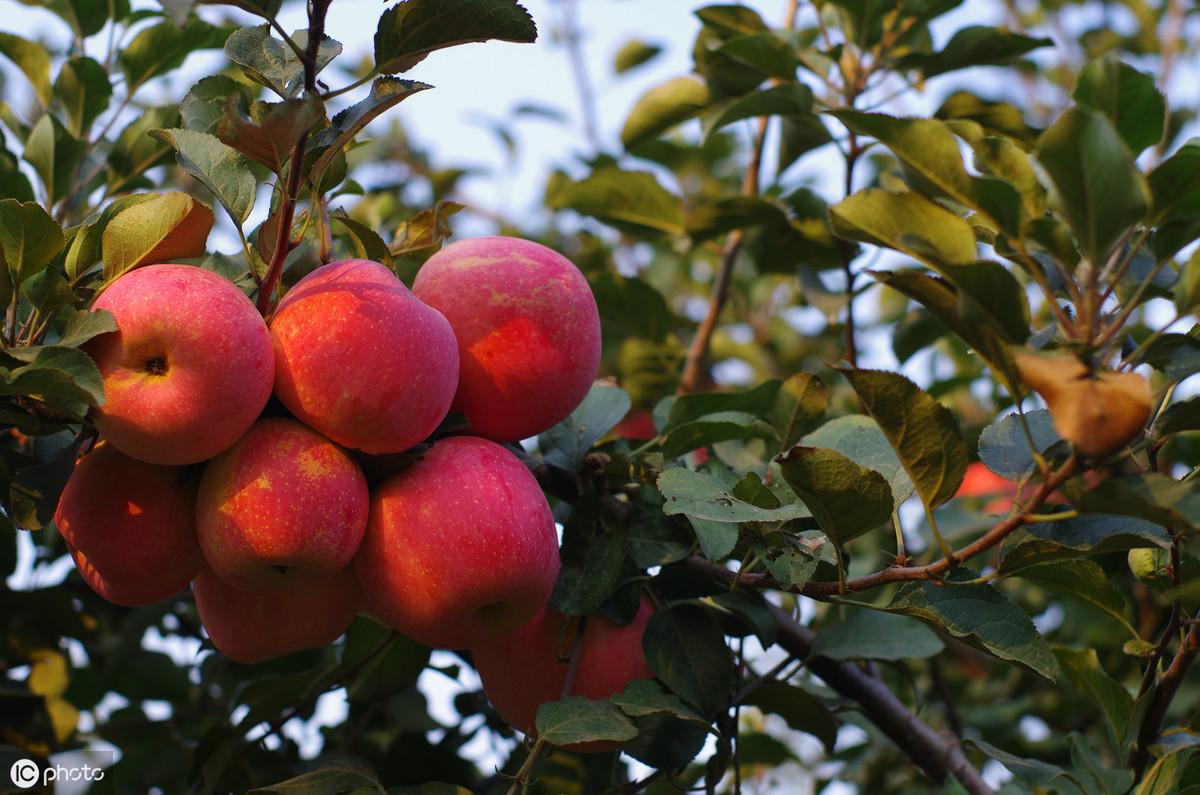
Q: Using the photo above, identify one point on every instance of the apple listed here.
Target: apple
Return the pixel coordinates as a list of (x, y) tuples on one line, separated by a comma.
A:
[(360, 359), (526, 669), (189, 368), (637, 426), (283, 500), (528, 332), (460, 547), (130, 526), (253, 626)]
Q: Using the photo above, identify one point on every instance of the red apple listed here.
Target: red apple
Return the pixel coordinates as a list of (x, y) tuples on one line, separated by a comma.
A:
[(361, 360), (130, 526), (637, 426), (295, 614), (528, 332), (460, 547), (979, 481), (189, 368), (522, 671), (283, 500)]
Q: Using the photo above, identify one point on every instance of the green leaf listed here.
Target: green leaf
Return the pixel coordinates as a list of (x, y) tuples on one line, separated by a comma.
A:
[(65, 379), (160, 48), (29, 238), (1080, 535), (35, 489), (663, 107), (712, 428), (944, 301), (633, 54), (343, 775), (263, 8), (846, 499), (1129, 98), (13, 183), (84, 325), (1004, 448), (270, 62), (1033, 772), (997, 119), (714, 218), (643, 697), (85, 243), (1183, 416), (593, 550), (161, 229), (687, 408), (793, 560), (1099, 189), (982, 617), (976, 45), (1083, 669), (906, 222), (685, 647), (767, 53), (1151, 496), (799, 407), (217, 167), (1175, 184), (55, 156), (565, 445), (698, 495), (860, 439), (1083, 580), (412, 29), (652, 538), (1187, 289), (799, 709), (134, 151), (716, 539), (83, 90), (1177, 355), (581, 720), (203, 107), (1165, 776), (386, 93), (931, 153), (790, 99), (34, 62), (366, 241), (799, 135), (622, 198), (874, 635), (924, 433)]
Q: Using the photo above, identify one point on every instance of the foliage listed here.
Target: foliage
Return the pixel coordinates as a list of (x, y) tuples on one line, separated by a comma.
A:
[(1003, 223)]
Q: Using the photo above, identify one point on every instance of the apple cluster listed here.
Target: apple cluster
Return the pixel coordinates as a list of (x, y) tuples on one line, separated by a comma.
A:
[(263, 506)]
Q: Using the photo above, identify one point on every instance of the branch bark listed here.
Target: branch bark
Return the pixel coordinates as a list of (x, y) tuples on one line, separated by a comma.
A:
[(1164, 694), (938, 754)]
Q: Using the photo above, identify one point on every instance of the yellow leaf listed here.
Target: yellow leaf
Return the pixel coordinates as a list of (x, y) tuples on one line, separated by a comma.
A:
[(64, 717), (167, 227), (48, 674)]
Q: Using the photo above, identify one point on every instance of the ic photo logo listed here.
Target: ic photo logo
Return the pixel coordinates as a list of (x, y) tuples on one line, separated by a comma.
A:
[(25, 773)]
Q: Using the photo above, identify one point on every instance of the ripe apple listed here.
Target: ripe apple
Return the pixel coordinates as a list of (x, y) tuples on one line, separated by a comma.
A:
[(253, 626), (460, 547), (637, 426), (283, 500), (528, 332), (979, 481), (130, 526), (189, 368), (361, 360), (522, 671)]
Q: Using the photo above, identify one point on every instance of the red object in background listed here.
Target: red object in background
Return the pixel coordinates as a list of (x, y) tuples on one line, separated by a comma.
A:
[(980, 481), (638, 426)]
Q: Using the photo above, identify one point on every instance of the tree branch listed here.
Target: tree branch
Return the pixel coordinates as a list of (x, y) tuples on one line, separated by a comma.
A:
[(1168, 686), (930, 571), (939, 755)]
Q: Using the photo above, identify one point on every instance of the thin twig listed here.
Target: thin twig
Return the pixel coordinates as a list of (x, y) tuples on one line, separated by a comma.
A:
[(1164, 694), (573, 41)]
